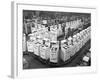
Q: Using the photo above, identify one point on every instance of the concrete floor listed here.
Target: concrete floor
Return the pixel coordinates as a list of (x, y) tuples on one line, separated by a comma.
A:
[(76, 60)]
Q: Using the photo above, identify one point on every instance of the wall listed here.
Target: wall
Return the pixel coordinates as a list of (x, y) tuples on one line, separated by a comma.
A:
[(5, 34)]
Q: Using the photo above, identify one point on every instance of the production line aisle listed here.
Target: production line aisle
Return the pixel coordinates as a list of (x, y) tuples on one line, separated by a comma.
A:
[(74, 61)]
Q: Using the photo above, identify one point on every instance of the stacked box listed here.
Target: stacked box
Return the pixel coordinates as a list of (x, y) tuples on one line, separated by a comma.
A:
[(33, 29), (30, 44), (47, 41), (27, 28), (70, 46), (68, 53), (32, 36), (86, 36), (84, 33), (39, 26), (39, 39), (63, 49), (67, 24), (59, 30), (24, 42), (88, 33), (47, 44), (46, 35), (77, 44), (79, 41), (69, 50), (74, 44), (54, 49), (53, 32), (85, 58), (48, 52), (37, 43), (53, 36), (82, 37), (44, 52), (36, 47), (64, 53), (44, 21), (66, 30), (36, 25)]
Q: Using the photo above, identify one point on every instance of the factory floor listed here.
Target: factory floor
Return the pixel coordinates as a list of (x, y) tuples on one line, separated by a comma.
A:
[(75, 61)]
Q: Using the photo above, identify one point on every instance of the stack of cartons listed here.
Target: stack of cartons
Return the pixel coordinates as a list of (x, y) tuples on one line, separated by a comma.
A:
[(44, 21), (88, 33), (82, 37), (53, 33), (70, 47), (33, 29), (53, 36), (27, 28), (32, 36), (54, 49), (63, 49), (36, 47), (74, 44), (24, 42), (79, 41), (39, 26), (74, 24), (47, 44), (66, 30), (64, 55), (59, 30), (43, 52), (46, 35), (30, 46), (85, 36)]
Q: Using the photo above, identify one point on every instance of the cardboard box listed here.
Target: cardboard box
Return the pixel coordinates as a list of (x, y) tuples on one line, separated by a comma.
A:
[(59, 30), (70, 51), (47, 42), (64, 53), (27, 28), (54, 48), (44, 21), (79, 41), (36, 47), (72, 48), (39, 26), (33, 29), (39, 39), (53, 36), (46, 35), (70, 40), (32, 36), (44, 52), (85, 58), (66, 30), (76, 43), (24, 42), (30, 46), (63, 50)]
